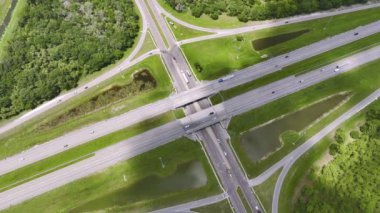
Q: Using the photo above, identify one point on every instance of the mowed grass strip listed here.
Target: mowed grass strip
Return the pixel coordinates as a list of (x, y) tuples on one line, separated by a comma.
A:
[(76, 154), (31, 133), (360, 82), (302, 67), (243, 199), (219, 57), (80, 192), (181, 32)]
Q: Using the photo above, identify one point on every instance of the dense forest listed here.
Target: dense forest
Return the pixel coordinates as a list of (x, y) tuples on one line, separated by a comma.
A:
[(59, 41), (351, 181), (247, 10)]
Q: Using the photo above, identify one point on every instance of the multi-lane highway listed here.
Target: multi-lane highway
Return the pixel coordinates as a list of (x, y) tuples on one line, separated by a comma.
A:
[(129, 61), (235, 179), (202, 118), (206, 89), (162, 135)]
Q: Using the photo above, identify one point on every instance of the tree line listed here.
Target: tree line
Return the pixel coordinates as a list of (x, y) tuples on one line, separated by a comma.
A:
[(56, 43), (251, 10), (350, 182)]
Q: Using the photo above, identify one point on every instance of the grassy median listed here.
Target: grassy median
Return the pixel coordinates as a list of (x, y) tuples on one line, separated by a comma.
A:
[(123, 187), (211, 59)]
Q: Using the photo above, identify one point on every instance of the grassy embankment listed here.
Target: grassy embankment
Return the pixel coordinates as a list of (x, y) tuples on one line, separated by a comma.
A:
[(60, 119), (360, 82), (107, 185), (181, 32), (221, 56)]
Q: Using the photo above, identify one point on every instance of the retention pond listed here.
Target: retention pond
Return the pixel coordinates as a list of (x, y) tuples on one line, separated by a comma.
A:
[(261, 141), (187, 176)]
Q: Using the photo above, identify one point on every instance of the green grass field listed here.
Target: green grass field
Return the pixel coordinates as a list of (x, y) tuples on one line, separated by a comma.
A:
[(76, 154), (299, 174), (221, 56), (147, 46), (302, 67), (265, 191), (31, 133), (181, 32), (359, 82), (224, 21), (104, 184)]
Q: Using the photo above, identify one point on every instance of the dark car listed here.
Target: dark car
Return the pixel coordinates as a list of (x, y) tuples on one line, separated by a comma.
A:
[(356, 34)]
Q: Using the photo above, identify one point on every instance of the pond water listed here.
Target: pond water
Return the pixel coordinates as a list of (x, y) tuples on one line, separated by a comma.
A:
[(263, 43), (261, 141), (187, 176)]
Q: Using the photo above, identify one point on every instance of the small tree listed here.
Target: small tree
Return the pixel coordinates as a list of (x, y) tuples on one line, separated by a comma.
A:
[(239, 38), (198, 67), (340, 136), (355, 134)]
